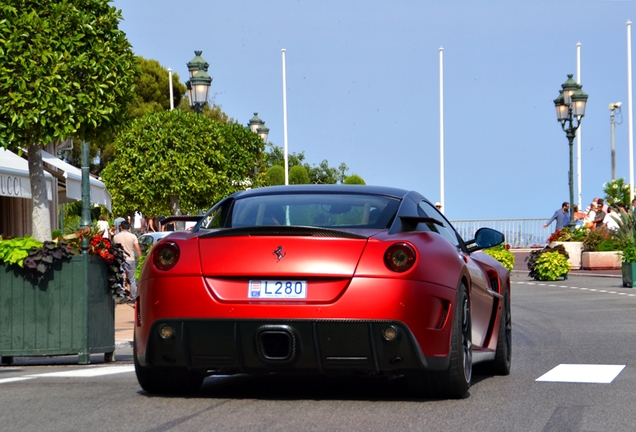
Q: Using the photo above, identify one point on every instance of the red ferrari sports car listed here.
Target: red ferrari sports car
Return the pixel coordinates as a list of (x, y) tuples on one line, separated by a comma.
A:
[(322, 279)]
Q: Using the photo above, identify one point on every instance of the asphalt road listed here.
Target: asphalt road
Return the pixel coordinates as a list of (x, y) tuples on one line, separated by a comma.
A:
[(581, 321)]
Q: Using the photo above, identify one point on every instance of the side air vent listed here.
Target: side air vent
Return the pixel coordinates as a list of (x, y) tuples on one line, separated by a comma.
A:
[(494, 284)]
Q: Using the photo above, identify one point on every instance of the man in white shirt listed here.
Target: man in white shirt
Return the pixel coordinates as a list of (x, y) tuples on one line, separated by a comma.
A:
[(131, 247)]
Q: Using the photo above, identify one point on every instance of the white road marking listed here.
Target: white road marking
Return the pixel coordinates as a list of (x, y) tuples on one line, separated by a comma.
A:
[(582, 373), (87, 373), (575, 288), (78, 373), (14, 379)]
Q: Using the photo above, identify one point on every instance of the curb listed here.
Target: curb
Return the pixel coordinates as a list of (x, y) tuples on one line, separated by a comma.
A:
[(123, 343)]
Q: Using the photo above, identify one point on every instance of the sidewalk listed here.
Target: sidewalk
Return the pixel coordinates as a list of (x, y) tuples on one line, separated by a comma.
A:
[(124, 325)]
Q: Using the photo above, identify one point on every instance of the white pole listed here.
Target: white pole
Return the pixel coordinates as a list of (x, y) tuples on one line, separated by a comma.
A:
[(580, 132), (630, 114), (170, 85), (441, 127), (285, 118)]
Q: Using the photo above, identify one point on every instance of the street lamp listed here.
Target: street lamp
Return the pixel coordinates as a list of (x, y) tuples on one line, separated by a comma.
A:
[(570, 108), (613, 107), (257, 126), (199, 84)]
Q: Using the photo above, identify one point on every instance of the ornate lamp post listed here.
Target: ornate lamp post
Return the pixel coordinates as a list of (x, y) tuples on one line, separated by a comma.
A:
[(570, 108), (199, 84), (258, 127)]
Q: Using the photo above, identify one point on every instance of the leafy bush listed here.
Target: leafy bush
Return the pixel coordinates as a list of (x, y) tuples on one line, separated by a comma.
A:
[(503, 255), (15, 250), (566, 234), (617, 192), (37, 258), (551, 266), (536, 254), (629, 252), (597, 237)]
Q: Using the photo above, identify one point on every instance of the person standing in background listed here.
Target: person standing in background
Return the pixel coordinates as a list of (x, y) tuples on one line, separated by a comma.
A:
[(102, 225), (118, 220), (131, 247), (561, 217), (137, 223)]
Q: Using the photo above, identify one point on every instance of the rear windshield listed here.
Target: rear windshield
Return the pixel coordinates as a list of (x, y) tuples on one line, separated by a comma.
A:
[(318, 210)]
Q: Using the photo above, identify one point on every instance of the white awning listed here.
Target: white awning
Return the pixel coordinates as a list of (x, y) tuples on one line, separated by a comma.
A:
[(14, 176), (73, 175)]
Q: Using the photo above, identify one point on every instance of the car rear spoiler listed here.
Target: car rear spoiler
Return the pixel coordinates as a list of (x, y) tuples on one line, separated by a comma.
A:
[(185, 218)]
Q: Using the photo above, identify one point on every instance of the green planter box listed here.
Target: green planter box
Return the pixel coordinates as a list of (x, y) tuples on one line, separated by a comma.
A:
[(629, 275), (60, 315)]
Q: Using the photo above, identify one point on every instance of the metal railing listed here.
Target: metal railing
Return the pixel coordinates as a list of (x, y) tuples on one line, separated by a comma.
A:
[(520, 233)]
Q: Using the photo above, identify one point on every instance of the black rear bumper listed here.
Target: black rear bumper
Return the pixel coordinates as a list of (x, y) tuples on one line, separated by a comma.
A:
[(286, 346)]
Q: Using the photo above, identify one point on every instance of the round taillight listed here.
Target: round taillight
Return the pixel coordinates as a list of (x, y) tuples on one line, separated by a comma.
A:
[(165, 255), (399, 257)]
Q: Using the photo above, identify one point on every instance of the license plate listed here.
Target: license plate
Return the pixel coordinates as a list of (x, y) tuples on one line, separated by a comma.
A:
[(277, 289)]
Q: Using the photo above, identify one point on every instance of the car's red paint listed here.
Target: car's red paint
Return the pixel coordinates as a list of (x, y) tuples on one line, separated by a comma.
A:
[(347, 281)]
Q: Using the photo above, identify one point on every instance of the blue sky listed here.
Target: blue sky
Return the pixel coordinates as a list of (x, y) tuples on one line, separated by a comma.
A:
[(363, 87)]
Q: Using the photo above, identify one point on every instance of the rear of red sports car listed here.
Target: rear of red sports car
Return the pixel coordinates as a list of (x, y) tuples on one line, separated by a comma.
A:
[(309, 280)]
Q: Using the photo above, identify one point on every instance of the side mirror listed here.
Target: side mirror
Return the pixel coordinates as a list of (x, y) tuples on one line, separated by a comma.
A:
[(486, 238)]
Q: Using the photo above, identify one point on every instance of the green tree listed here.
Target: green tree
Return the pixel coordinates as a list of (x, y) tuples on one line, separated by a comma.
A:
[(66, 70), (298, 175), (172, 161), (318, 174), (152, 93), (275, 176), (210, 110), (354, 179)]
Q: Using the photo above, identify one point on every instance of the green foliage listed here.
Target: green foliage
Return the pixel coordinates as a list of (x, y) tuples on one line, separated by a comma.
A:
[(298, 175), (551, 266), (503, 255), (40, 260), (617, 192), (566, 234), (354, 179), (318, 174), (629, 252), (175, 155), (534, 256), (15, 250), (275, 176), (67, 70), (210, 110), (598, 236), (152, 89)]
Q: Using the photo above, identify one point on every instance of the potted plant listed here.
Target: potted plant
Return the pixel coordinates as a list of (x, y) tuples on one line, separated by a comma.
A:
[(502, 254), (629, 265), (601, 250), (55, 300), (552, 266), (572, 241)]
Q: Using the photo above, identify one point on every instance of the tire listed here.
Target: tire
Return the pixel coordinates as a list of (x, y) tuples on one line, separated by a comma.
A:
[(455, 381), (163, 380), (503, 359)]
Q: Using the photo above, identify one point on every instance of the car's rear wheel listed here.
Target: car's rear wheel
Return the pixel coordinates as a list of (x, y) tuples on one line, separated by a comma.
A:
[(165, 380), (455, 381), (503, 359)]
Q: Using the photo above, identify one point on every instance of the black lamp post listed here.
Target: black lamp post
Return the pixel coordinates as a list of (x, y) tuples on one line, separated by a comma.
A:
[(570, 108), (199, 84)]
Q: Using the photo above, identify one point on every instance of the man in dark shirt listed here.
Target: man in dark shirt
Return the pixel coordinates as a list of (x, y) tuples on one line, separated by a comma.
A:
[(561, 216)]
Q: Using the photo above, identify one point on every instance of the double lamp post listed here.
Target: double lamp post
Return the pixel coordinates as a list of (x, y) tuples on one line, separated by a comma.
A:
[(570, 108)]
